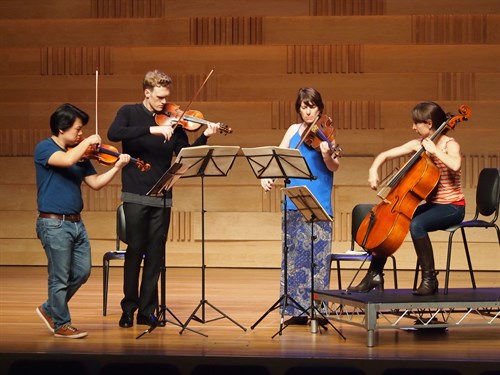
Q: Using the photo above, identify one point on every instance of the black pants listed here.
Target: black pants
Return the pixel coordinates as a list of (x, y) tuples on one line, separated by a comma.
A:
[(146, 230)]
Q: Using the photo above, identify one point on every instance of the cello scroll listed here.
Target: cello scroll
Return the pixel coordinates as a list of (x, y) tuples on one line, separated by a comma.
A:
[(465, 114)]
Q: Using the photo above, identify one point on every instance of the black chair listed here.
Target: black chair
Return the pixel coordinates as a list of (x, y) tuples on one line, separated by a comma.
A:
[(116, 254), (359, 212), (487, 200)]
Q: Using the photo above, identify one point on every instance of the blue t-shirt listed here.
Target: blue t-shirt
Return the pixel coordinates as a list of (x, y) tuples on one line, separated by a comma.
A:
[(59, 189), (322, 186)]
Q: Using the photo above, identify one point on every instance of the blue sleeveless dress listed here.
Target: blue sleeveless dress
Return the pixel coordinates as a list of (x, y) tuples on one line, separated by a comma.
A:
[(298, 236)]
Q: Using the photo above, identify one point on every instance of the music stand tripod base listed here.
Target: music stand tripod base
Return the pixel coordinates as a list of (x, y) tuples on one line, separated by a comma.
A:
[(202, 161)]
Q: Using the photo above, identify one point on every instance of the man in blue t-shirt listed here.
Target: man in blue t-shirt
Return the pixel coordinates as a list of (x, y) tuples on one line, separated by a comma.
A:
[(61, 167)]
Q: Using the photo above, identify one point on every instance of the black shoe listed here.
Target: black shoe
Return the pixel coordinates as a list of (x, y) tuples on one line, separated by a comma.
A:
[(297, 320), (147, 320), (372, 280), (127, 320)]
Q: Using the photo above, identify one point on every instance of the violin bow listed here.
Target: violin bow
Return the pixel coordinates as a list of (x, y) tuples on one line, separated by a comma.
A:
[(96, 98), (194, 97)]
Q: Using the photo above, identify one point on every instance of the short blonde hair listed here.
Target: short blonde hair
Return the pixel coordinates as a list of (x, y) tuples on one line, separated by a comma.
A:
[(156, 78)]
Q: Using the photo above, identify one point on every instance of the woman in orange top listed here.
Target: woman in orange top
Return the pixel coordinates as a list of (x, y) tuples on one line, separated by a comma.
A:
[(446, 207)]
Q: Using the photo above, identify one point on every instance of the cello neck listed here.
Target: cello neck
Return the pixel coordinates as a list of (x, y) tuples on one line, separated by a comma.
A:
[(414, 159)]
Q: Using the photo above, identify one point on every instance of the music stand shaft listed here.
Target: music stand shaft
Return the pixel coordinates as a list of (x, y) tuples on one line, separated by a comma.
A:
[(274, 162), (160, 188), (200, 159)]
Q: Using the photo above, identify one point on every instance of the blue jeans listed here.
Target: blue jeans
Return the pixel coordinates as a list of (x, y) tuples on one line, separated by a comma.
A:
[(431, 217), (67, 247)]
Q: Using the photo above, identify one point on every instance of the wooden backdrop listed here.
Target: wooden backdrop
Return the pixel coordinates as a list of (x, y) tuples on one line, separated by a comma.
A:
[(372, 60)]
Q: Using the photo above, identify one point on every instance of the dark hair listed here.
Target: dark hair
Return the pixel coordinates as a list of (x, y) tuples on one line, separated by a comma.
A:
[(65, 116), (425, 111), (310, 97)]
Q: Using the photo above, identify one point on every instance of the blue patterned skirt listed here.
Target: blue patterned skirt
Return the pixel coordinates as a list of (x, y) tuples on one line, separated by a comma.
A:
[(299, 260)]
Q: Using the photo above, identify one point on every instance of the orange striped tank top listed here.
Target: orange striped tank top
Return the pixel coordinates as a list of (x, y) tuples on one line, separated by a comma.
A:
[(449, 188)]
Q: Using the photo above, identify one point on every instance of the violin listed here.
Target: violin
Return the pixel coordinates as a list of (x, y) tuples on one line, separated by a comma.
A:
[(108, 155), (321, 130), (192, 120)]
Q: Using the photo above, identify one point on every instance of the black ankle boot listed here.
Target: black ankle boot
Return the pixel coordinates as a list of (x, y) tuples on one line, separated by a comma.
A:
[(374, 279), (429, 284)]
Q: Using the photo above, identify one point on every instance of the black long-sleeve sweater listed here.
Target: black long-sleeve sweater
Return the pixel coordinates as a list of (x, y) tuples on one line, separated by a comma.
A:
[(131, 127)]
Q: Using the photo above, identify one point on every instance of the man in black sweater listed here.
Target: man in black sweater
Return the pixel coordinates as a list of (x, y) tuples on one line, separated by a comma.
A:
[(147, 217)]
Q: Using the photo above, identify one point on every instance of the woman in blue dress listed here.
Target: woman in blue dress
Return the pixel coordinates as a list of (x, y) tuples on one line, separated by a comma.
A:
[(323, 164)]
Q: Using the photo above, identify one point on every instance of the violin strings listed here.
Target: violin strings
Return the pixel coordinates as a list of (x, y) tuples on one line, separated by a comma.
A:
[(194, 97)]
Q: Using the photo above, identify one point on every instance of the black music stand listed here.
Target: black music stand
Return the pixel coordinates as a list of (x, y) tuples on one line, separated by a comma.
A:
[(278, 162), (165, 183), (312, 211), (202, 161)]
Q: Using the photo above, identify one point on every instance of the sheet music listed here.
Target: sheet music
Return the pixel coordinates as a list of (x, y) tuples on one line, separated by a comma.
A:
[(277, 162), (307, 203), (215, 160), (168, 179)]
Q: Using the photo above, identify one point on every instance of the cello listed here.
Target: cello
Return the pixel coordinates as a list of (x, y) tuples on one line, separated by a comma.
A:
[(384, 229)]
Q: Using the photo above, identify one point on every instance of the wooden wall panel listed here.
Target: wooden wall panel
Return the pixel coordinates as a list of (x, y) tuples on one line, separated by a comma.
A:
[(200, 59), (290, 59), (127, 8), (75, 60), (372, 60), (231, 8), (346, 7), (425, 7), (312, 59), (376, 86), (251, 31), (35, 9), (337, 30), (94, 32), (24, 251), (449, 29), (226, 30)]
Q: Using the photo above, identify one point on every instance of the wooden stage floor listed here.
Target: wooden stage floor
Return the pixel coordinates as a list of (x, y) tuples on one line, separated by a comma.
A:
[(26, 346)]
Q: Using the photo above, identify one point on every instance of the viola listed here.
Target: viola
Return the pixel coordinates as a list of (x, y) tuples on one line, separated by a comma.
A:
[(191, 120), (321, 130), (108, 155), (384, 229)]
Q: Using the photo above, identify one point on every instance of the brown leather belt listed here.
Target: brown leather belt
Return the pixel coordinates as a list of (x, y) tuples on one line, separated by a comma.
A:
[(72, 218)]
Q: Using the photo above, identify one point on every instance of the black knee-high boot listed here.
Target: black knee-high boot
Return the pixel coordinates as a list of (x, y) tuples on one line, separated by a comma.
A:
[(374, 278), (429, 284)]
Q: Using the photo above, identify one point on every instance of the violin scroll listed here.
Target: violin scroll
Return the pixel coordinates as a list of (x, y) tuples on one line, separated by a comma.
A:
[(336, 150)]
